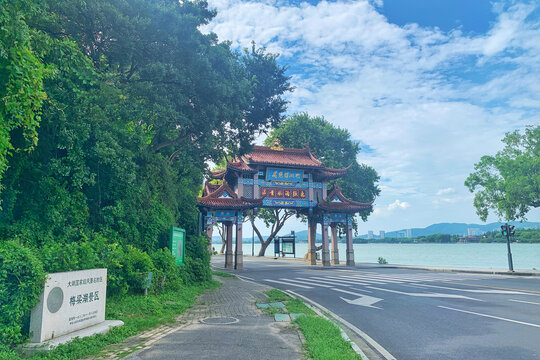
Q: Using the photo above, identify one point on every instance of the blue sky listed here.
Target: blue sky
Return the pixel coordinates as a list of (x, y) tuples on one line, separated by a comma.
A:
[(427, 87)]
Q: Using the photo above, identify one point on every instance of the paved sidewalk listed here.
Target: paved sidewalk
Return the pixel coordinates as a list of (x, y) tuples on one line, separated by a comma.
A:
[(224, 324)]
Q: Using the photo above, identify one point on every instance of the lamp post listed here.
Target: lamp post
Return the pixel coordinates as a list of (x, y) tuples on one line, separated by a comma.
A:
[(508, 230)]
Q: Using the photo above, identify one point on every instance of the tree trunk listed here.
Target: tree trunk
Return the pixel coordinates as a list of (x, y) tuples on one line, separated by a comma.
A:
[(264, 245)]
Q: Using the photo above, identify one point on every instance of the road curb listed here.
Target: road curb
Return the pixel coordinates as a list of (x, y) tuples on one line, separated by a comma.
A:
[(321, 311), (465, 270)]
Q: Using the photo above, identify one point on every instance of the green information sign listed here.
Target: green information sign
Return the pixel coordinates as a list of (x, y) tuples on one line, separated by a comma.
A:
[(177, 244)]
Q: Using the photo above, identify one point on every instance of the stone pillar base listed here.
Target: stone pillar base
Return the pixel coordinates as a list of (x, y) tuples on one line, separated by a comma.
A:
[(239, 260), (335, 260), (326, 258), (229, 260), (350, 257), (312, 257)]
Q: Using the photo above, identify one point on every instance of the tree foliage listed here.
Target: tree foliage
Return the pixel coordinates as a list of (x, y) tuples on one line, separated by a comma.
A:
[(509, 182), (138, 100), (129, 101), (21, 80)]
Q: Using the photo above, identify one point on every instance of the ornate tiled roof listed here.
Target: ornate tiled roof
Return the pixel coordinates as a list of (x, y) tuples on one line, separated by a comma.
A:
[(284, 157), (241, 166), (225, 198), (330, 174), (337, 202), (209, 188), (218, 174)]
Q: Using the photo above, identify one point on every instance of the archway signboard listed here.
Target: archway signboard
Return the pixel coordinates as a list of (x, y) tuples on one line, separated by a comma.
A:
[(270, 177)]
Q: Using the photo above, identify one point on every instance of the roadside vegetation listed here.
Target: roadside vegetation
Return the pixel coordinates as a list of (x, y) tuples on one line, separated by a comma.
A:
[(139, 313), (109, 112), (323, 337), (223, 274)]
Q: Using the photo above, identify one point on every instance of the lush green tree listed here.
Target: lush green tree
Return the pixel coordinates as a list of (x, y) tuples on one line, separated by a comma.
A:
[(509, 182), (21, 80), (334, 147), (138, 101)]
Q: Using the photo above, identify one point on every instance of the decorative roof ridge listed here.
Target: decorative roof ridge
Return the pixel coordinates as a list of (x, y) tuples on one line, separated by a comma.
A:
[(336, 191), (342, 170), (209, 188), (218, 174), (239, 165), (220, 190)]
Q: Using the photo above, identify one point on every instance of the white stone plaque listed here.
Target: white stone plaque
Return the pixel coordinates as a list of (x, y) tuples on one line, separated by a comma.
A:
[(70, 301)]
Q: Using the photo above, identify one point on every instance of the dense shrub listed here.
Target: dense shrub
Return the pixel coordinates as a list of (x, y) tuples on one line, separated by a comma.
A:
[(166, 273), (196, 267), (22, 278)]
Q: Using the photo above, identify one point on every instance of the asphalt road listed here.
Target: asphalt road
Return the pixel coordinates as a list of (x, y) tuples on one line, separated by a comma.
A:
[(416, 314)]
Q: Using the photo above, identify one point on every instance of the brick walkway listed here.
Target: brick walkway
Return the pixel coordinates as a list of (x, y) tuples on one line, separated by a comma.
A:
[(255, 335)]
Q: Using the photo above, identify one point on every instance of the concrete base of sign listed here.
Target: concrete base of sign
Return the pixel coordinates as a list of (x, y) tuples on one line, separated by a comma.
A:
[(100, 328)]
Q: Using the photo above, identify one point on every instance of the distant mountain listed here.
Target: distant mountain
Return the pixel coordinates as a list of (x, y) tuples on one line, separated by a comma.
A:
[(457, 229)]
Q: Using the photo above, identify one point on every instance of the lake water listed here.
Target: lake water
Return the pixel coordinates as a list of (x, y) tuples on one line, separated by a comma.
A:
[(525, 256)]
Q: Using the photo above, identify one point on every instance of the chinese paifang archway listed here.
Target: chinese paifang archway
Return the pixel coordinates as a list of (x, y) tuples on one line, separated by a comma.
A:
[(270, 177)]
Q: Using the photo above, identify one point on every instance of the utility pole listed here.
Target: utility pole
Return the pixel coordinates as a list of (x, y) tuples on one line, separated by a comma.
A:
[(508, 230)]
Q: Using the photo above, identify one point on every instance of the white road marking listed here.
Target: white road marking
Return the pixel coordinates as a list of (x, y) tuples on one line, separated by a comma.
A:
[(324, 282), (307, 282), (434, 295), (476, 291), (361, 300), (491, 316), (337, 281), (288, 283), (385, 354), (525, 302), (243, 278), (366, 279), (364, 290)]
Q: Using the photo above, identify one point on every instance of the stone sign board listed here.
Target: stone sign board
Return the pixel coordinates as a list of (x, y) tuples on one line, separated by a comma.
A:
[(70, 301)]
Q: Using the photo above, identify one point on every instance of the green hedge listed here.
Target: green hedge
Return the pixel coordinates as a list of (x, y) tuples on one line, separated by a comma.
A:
[(22, 278), (23, 273)]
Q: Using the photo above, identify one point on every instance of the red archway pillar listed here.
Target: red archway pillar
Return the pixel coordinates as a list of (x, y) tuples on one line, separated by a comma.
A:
[(228, 250), (350, 250), (335, 251), (325, 248), (209, 232), (238, 252), (312, 249)]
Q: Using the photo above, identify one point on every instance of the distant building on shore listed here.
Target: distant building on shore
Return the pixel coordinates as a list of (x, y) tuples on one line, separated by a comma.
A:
[(381, 234), (370, 234), (408, 233)]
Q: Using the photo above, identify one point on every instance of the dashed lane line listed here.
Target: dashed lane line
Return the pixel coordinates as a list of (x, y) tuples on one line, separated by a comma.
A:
[(525, 302), (491, 316), (495, 287)]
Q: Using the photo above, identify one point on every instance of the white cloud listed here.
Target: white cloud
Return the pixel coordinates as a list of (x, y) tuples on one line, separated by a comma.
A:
[(446, 191), (398, 205), (430, 103)]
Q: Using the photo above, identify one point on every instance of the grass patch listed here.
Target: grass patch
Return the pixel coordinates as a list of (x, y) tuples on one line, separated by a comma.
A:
[(297, 306), (223, 274), (138, 313), (324, 341), (323, 337), (276, 295)]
